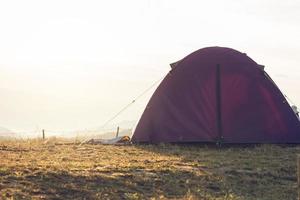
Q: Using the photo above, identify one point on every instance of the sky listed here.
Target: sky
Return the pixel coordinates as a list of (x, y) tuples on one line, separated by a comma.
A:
[(71, 65)]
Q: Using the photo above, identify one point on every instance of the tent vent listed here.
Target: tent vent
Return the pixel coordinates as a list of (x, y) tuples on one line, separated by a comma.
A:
[(262, 67), (173, 65)]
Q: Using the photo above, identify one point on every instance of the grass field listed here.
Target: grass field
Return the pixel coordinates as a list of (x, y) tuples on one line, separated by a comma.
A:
[(35, 170)]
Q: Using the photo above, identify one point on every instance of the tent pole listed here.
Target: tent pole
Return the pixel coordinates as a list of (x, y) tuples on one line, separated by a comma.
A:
[(298, 167), (219, 106)]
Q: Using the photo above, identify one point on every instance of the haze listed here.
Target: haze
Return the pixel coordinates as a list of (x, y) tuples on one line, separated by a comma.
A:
[(69, 65)]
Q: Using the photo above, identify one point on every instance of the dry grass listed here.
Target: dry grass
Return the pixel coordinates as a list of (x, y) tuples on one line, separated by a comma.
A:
[(36, 170)]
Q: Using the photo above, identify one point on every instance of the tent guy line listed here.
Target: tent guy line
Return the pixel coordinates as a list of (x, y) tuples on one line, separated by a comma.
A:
[(132, 102), (124, 108)]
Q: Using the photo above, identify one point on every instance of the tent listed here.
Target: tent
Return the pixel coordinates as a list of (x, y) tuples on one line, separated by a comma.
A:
[(217, 94)]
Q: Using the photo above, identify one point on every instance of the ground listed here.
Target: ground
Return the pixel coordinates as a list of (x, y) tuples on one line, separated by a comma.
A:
[(48, 170)]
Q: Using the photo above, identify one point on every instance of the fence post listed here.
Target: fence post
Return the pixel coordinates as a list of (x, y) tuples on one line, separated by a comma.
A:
[(43, 134), (117, 134)]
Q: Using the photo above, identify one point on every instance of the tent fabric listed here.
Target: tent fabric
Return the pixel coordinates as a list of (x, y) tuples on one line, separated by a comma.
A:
[(217, 94)]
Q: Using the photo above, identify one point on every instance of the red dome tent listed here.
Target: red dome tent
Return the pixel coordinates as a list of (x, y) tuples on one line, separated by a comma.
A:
[(218, 94)]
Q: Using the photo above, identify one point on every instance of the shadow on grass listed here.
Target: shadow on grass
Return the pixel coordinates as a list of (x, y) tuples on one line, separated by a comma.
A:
[(130, 183), (246, 171)]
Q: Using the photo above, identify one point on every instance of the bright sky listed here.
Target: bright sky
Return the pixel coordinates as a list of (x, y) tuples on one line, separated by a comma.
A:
[(68, 65)]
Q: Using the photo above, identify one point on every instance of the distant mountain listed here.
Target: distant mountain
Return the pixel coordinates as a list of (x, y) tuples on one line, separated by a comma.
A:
[(5, 133), (107, 132), (110, 135)]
